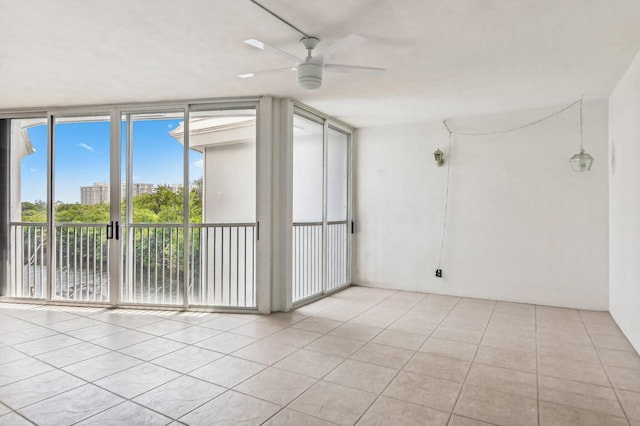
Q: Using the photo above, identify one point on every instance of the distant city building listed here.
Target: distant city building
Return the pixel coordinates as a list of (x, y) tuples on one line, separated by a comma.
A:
[(174, 187), (98, 193), (136, 189)]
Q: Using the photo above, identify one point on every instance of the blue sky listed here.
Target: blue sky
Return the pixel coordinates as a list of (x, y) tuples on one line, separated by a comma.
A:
[(82, 158)]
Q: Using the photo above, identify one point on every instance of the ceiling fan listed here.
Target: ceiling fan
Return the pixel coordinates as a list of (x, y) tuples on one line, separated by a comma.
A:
[(309, 69)]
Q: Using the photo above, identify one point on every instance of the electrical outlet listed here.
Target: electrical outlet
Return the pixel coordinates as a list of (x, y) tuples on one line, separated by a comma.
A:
[(439, 273)]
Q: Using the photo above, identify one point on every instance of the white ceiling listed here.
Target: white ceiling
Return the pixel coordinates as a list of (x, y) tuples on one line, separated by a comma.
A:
[(443, 58)]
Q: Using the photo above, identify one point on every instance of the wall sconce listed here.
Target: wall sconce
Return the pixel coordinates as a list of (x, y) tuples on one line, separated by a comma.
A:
[(581, 162), (439, 157)]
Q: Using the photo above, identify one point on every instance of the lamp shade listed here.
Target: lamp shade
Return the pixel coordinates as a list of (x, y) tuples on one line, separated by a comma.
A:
[(581, 162)]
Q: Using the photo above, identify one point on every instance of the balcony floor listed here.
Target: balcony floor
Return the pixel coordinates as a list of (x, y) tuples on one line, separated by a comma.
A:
[(365, 356)]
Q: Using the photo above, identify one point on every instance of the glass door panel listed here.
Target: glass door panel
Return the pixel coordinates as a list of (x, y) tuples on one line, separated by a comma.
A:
[(308, 184), (222, 199), (337, 208), (152, 191), (28, 203), (81, 212)]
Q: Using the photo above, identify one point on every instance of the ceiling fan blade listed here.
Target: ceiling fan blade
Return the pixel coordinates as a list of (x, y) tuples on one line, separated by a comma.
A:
[(349, 42), (265, 47), (257, 73), (353, 69)]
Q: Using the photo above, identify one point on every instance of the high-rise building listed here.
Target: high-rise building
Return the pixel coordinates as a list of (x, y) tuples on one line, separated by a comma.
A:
[(98, 193), (136, 189)]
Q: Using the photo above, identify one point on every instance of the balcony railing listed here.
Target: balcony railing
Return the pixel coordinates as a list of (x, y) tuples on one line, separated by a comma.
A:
[(307, 258), (221, 259)]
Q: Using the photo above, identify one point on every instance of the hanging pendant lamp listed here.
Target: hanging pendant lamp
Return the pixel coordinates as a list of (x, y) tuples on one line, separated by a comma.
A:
[(581, 162)]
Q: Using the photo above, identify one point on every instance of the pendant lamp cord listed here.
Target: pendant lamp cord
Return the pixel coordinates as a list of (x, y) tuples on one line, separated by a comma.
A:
[(446, 195)]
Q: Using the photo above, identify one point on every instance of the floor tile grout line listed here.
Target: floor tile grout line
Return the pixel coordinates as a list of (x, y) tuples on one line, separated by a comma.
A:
[(604, 368), (409, 359), (464, 382)]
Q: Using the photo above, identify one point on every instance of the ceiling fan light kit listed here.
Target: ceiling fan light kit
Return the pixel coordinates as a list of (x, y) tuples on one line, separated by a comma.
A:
[(309, 70)]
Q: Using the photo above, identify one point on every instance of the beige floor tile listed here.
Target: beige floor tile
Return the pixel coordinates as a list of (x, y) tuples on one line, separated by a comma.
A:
[(71, 407), (192, 334), (293, 337), (228, 371), (618, 342), (554, 336), (283, 319), (400, 339), (356, 332), (187, 359), (495, 329), (309, 363), (428, 391), (163, 327), (257, 329), (506, 358), (579, 395), (275, 385), (615, 358), (102, 366), (72, 354), (265, 352), (226, 342), (512, 342), (319, 325), (153, 348), (177, 397), (630, 403), (232, 408), (126, 413), (513, 308), (438, 366), (458, 334), (288, 417), (624, 378), (34, 332), (335, 345), (387, 356), (334, 403), (361, 375), (37, 388), (503, 380), (449, 348), (465, 421), (569, 353), (417, 324), (47, 344), (572, 370), (561, 415), (21, 369), (496, 407), (136, 380), (122, 340), (14, 419), (391, 412), (225, 323)]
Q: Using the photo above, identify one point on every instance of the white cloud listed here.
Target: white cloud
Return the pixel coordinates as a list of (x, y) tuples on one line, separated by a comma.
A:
[(85, 146), (197, 164)]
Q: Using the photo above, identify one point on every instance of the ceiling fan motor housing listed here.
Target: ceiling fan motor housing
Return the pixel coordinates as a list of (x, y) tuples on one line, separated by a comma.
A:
[(309, 75)]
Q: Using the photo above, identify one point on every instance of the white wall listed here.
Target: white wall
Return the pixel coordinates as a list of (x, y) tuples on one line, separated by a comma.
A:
[(522, 226), (624, 188)]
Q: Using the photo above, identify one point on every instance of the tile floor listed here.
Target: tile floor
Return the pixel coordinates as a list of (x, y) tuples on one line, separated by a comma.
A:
[(363, 356)]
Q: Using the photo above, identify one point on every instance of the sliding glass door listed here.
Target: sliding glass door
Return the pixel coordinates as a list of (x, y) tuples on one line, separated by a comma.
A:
[(82, 223), (140, 207), (320, 245)]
